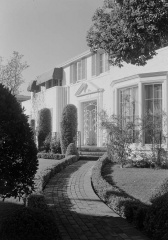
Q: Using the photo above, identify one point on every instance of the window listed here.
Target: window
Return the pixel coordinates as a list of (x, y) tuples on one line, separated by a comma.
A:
[(129, 107), (78, 71), (93, 64), (103, 63), (152, 112)]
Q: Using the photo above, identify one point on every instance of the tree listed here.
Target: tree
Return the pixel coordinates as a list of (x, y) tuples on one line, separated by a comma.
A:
[(11, 73), (129, 30), (44, 127), (68, 126), (18, 153)]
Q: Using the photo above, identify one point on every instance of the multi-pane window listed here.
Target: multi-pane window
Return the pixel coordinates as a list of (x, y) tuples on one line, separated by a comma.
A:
[(129, 107), (103, 63), (94, 64), (152, 111), (78, 71)]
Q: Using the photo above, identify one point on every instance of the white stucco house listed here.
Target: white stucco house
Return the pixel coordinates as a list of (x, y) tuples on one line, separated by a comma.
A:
[(88, 82)]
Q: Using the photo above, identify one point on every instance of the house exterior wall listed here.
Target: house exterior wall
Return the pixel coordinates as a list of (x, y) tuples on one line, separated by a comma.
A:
[(104, 88)]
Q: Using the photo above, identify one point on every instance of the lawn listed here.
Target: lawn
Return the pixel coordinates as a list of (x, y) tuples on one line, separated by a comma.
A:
[(137, 182)]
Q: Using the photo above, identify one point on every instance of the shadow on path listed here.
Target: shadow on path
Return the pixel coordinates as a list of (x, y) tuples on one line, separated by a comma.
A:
[(79, 213)]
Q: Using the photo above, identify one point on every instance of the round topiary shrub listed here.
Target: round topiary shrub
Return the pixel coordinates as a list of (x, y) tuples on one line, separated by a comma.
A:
[(29, 224), (18, 153), (44, 126), (72, 150), (68, 126), (156, 221)]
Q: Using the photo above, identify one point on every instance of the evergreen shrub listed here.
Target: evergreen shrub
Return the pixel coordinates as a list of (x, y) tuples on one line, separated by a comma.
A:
[(72, 150), (68, 126), (55, 145), (44, 126), (18, 153)]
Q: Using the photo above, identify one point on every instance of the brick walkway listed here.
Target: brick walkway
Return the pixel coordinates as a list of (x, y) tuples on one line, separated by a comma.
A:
[(79, 212)]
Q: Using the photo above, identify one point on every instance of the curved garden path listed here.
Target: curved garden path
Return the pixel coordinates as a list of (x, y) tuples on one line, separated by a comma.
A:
[(80, 214)]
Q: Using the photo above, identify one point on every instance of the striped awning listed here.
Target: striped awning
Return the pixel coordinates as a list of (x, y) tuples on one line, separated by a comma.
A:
[(55, 73), (32, 86)]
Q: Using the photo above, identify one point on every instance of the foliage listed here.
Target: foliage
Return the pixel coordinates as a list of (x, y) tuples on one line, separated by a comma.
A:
[(18, 153), (37, 201), (120, 136), (72, 150), (30, 224), (47, 143), (55, 145), (68, 126), (44, 126), (155, 128), (160, 191), (11, 73), (50, 155), (156, 222), (129, 31)]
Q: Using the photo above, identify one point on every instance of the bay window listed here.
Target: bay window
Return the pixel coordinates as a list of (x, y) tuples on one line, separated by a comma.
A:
[(152, 112)]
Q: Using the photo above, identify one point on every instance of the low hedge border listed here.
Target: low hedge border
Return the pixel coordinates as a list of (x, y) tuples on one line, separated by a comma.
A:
[(44, 177), (50, 156), (114, 197), (151, 219)]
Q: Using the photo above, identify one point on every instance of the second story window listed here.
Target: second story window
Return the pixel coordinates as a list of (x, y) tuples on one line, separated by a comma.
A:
[(78, 71), (93, 64), (103, 63)]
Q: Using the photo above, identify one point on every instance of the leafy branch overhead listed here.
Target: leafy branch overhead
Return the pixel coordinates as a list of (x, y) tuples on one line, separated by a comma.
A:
[(129, 31), (11, 73)]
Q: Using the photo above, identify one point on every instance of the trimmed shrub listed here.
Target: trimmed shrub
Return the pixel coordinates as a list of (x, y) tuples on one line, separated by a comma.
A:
[(55, 145), (44, 126), (18, 153), (46, 143), (29, 224), (72, 150), (156, 221), (160, 191), (68, 126), (37, 201), (50, 156)]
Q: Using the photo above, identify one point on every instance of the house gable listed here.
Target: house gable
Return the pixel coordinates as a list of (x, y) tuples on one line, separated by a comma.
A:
[(88, 88)]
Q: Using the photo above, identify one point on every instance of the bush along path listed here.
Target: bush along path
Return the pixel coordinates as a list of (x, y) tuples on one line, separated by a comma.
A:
[(79, 213)]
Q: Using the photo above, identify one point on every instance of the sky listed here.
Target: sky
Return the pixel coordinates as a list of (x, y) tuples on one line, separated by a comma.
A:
[(46, 32)]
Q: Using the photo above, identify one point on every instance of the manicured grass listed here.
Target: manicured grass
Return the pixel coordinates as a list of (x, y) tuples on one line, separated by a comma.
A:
[(139, 183)]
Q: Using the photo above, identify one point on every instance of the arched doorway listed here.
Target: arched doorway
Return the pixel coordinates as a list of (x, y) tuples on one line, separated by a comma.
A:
[(90, 123)]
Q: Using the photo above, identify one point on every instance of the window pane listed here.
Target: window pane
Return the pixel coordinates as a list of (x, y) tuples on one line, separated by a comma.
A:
[(84, 68), (149, 107), (157, 91), (79, 65), (148, 91), (101, 63), (107, 67), (93, 64), (157, 106)]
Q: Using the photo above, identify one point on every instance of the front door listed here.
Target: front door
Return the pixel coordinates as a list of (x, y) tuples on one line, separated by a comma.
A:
[(90, 123)]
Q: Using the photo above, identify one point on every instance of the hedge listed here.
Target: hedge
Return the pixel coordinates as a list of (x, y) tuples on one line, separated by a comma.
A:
[(42, 180), (151, 219), (51, 156)]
